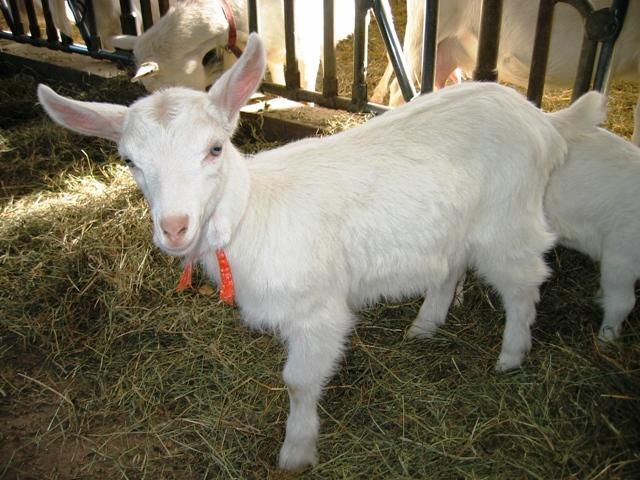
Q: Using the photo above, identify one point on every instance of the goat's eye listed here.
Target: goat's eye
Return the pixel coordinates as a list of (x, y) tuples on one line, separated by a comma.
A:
[(129, 163), (215, 150)]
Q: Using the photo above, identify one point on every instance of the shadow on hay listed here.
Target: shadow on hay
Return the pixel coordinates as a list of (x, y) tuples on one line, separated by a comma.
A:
[(36, 153)]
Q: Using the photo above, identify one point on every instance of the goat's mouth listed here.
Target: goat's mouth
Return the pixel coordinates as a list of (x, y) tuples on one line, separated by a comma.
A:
[(183, 250)]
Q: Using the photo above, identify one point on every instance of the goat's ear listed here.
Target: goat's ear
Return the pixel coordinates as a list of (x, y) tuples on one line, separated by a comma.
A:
[(124, 42), (88, 118), (232, 90)]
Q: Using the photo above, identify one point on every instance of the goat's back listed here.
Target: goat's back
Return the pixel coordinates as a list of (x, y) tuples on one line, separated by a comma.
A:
[(383, 208), (594, 198)]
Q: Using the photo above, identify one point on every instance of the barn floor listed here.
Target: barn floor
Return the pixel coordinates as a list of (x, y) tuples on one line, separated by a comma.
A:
[(107, 372)]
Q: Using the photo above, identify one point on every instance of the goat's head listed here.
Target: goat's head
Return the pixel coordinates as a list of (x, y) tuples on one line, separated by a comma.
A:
[(185, 48), (176, 143)]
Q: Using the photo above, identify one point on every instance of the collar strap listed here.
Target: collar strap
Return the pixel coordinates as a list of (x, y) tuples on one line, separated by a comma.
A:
[(227, 288), (233, 32)]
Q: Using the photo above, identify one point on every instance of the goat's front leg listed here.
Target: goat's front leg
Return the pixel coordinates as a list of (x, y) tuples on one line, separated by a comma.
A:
[(314, 347)]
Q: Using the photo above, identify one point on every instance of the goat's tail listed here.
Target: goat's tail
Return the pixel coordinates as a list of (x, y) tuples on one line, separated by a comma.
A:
[(582, 116)]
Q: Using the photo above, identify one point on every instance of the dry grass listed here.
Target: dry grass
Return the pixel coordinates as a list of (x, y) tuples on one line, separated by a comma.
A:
[(106, 372)]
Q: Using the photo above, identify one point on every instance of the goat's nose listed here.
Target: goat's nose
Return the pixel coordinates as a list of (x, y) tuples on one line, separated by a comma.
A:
[(175, 228)]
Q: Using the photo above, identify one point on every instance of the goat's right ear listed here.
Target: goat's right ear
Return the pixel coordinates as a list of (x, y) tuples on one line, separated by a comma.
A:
[(232, 90), (103, 120)]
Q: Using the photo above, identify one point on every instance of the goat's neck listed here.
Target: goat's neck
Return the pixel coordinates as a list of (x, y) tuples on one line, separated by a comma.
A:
[(233, 200)]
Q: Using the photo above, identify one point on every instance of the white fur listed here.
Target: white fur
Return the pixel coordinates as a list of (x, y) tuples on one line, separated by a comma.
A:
[(593, 204), (457, 45), (318, 228), (178, 43)]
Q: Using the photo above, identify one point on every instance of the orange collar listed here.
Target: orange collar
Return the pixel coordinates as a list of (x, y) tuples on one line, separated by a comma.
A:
[(227, 288)]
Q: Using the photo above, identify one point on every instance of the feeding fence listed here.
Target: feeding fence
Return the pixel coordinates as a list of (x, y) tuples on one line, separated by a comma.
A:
[(601, 29)]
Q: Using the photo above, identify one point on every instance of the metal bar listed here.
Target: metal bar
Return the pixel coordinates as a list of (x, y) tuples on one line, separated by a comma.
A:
[(123, 57), (329, 79), (291, 74), (52, 31), (618, 14), (254, 14), (17, 27), (6, 12), (360, 34), (92, 41), (163, 5), (487, 60), (586, 62), (540, 54), (127, 18), (34, 28), (147, 14), (85, 21), (430, 36), (382, 10)]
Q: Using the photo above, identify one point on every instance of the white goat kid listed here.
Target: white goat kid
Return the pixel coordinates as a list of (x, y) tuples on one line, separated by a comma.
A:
[(177, 50), (593, 204), (319, 227), (457, 45)]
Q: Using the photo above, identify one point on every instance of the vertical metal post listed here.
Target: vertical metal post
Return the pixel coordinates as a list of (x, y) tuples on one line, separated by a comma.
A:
[(163, 5), (329, 79), (17, 27), (486, 66), (430, 36), (381, 10), (147, 15), (291, 74), (360, 34), (128, 18), (34, 28), (254, 14), (540, 53), (86, 23), (618, 14), (585, 67), (52, 31)]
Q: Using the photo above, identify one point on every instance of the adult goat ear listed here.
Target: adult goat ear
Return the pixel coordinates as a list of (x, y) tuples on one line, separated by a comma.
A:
[(103, 120), (232, 90)]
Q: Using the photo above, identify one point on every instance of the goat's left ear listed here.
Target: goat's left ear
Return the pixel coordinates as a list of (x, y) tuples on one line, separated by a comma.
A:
[(103, 120), (232, 90)]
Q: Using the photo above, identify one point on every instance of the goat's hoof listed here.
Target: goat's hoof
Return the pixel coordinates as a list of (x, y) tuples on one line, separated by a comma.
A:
[(509, 361), (421, 332), (608, 335), (297, 457)]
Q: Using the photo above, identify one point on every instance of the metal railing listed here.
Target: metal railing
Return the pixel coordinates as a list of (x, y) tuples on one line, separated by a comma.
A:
[(85, 22), (602, 28)]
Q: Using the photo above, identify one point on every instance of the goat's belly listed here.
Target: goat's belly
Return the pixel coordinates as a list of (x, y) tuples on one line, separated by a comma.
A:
[(394, 278)]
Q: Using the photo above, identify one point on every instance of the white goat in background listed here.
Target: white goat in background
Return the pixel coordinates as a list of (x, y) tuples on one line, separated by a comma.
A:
[(176, 50), (593, 204), (315, 229), (457, 45)]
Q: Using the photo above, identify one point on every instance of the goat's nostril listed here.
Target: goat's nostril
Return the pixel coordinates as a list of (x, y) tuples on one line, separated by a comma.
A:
[(175, 227)]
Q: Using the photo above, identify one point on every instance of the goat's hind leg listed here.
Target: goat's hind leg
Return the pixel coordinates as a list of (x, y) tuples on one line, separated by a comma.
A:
[(518, 281), (617, 283), (314, 348), (434, 309)]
